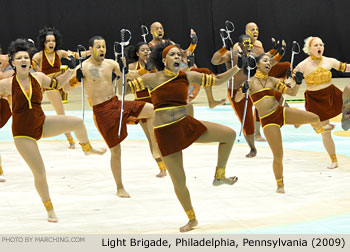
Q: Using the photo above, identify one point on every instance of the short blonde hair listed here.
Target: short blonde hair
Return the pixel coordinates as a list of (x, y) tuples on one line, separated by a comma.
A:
[(307, 44)]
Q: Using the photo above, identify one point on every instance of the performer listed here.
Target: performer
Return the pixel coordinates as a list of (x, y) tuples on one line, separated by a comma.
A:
[(345, 122), (48, 61), (29, 122), (5, 111), (224, 56), (174, 129), (273, 115), (97, 73), (138, 57), (321, 96)]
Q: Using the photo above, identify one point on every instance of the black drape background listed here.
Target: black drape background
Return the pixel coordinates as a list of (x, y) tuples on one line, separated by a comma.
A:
[(78, 20)]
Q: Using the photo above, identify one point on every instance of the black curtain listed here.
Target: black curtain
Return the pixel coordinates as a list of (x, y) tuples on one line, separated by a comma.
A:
[(78, 20)]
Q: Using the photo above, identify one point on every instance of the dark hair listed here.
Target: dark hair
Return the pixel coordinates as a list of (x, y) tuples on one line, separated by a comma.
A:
[(156, 55), (92, 40), (49, 31), (258, 58), (20, 45), (130, 52)]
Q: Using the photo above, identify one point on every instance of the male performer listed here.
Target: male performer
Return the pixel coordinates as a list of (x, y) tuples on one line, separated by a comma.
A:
[(97, 73)]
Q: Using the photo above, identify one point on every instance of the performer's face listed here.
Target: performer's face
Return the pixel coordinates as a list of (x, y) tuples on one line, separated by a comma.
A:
[(99, 50), (264, 64), (143, 53), (157, 31), (317, 47), (172, 59), (246, 44), (21, 61), (253, 31), (50, 43)]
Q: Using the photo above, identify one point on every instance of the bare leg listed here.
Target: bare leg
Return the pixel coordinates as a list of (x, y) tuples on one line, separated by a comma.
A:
[(157, 157), (56, 102), (56, 125), (296, 116), (226, 137), (148, 113), (2, 178), (174, 164), (190, 110), (116, 167), (28, 149), (250, 142), (258, 136), (345, 122), (211, 101), (274, 138)]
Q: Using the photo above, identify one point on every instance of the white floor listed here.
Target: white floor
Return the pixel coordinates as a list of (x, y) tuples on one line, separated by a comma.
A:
[(317, 200)]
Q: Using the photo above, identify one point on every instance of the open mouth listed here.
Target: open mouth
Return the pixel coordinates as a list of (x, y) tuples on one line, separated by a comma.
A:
[(319, 51), (23, 66), (176, 64), (102, 55)]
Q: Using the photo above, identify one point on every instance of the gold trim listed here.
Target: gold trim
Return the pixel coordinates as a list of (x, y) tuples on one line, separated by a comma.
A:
[(173, 107), (191, 215), (86, 147), (25, 93), (165, 82), (333, 158), (265, 96), (260, 90), (220, 173), (25, 137), (264, 116), (261, 75), (54, 57), (271, 124), (48, 205)]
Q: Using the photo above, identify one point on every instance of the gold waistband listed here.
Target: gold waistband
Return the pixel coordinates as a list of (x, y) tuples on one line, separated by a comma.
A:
[(167, 108)]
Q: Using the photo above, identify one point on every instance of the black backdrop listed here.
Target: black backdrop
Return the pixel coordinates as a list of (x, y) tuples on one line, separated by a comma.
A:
[(78, 20)]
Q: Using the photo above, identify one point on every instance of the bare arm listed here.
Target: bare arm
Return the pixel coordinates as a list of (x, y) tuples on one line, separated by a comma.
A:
[(5, 87), (221, 56), (36, 61)]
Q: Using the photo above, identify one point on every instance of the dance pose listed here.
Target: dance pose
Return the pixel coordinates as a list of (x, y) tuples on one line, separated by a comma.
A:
[(174, 129), (321, 96), (224, 56), (97, 73), (138, 57), (29, 122), (273, 115), (48, 61)]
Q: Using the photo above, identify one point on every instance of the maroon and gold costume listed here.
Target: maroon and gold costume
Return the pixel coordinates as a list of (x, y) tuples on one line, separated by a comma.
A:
[(107, 116), (27, 115), (238, 107), (275, 117), (50, 68), (180, 134), (326, 103), (142, 95), (5, 112)]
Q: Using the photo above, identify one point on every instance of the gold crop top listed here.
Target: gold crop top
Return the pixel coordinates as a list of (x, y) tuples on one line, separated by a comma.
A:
[(319, 76)]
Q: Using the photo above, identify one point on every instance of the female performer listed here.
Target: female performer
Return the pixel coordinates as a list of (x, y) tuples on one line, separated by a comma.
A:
[(272, 115), (48, 61), (29, 122), (174, 129), (321, 96)]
